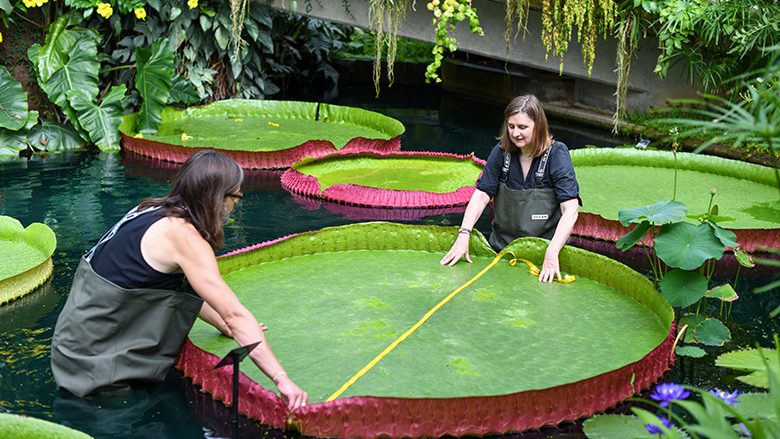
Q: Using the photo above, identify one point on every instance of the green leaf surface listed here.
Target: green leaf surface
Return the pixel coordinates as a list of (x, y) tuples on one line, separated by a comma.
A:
[(687, 246), (375, 280), (744, 259), (52, 136), (153, 80), (23, 248), (615, 427), (683, 288), (726, 237), (13, 102), (252, 125), (54, 53), (711, 332), (631, 238), (24, 427), (183, 92), (690, 351), (11, 142), (101, 121), (6, 6), (723, 292), (662, 212), (437, 174), (614, 177), (750, 360), (756, 405)]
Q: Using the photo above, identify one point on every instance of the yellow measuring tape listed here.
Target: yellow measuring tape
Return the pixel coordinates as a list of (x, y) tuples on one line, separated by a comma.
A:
[(428, 315)]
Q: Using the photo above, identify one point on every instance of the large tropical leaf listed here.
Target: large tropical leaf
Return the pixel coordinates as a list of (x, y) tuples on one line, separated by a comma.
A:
[(687, 246), (101, 121), (6, 6), (153, 80), (11, 142), (52, 136), (683, 288), (662, 212), (183, 92), (13, 102), (60, 39)]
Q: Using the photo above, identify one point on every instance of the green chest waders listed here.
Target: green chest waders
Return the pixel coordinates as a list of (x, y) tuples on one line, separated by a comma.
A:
[(523, 212), (108, 336)]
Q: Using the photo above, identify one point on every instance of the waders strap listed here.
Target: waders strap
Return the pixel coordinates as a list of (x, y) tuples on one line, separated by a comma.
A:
[(416, 326), (539, 171), (134, 212)]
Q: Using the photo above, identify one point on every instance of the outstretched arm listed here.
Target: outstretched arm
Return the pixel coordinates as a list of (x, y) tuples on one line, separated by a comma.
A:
[(479, 200), (550, 267), (196, 258)]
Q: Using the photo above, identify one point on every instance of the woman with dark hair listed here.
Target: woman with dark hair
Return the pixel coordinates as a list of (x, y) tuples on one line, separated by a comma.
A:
[(136, 294), (530, 179)]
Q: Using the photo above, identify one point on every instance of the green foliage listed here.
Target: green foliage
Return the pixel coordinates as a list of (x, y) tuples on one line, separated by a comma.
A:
[(446, 14), (101, 121), (361, 44), (683, 288), (13, 102), (153, 81), (754, 361), (687, 246), (662, 212)]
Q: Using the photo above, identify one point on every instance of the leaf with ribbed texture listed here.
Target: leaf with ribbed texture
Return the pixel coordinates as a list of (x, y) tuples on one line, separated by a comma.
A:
[(24, 427), (23, 248), (183, 92), (153, 80), (54, 53), (13, 102), (687, 246), (52, 136), (11, 142), (101, 121)]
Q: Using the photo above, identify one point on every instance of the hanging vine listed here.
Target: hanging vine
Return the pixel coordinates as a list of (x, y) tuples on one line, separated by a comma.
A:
[(238, 10), (384, 17), (445, 15), (515, 10)]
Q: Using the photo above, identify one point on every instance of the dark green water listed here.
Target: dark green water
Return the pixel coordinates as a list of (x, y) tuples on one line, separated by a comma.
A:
[(80, 195)]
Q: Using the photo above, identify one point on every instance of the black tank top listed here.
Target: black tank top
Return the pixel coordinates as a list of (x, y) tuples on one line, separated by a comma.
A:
[(119, 259)]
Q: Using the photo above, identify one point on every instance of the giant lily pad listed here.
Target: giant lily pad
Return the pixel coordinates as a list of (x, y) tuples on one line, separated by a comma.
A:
[(26, 255), (507, 353), (24, 427), (613, 178), (400, 179), (263, 134)]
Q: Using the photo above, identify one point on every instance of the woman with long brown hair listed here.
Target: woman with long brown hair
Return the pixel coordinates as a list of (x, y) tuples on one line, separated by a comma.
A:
[(137, 293), (530, 179)]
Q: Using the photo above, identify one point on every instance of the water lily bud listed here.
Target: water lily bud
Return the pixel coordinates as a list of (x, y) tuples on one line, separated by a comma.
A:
[(713, 190)]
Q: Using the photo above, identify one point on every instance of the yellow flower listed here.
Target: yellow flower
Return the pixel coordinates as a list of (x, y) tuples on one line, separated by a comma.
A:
[(185, 137), (1, 37), (192, 4), (138, 136), (239, 120), (104, 10), (140, 13), (40, 3), (273, 125), (29, 3)]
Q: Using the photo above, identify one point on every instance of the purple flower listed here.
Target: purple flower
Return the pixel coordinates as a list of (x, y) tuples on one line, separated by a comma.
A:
[(668, 392), (728, 398), (653, 429)]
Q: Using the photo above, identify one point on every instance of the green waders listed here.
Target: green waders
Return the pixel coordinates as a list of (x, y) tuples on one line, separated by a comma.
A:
[(107, 336), (523, 212)]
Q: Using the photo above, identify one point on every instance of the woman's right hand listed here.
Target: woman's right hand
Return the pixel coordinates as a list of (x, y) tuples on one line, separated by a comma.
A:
[(291, 394), (459, 248)]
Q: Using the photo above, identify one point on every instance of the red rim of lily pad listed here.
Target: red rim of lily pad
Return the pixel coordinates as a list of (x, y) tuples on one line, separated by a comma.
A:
[(374, 197), (370, 416)]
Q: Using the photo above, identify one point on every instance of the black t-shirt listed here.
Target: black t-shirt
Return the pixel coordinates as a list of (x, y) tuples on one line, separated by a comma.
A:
[(558, 175)]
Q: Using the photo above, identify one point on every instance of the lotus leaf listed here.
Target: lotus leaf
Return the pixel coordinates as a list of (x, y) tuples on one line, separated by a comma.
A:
[(724, 292), (693, 321), (631, 238), (24, 427), (662, 212), (26, 255), (726, 237), (687, 246), (683, 288), (356, 288), (615, 427), (690, 351), (711, 332)]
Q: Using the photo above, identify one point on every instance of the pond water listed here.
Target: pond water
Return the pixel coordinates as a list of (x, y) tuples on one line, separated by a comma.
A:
[(80, 195)]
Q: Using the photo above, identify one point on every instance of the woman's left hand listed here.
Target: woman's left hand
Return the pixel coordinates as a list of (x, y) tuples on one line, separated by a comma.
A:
[(550, 267)]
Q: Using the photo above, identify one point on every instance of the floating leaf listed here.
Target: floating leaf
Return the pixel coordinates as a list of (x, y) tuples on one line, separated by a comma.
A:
[(615, 427), (693, 321), (687, 246), (662, 212), (711, 332), (724, 292), (750, 360), (690, 351), (683, 288)]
